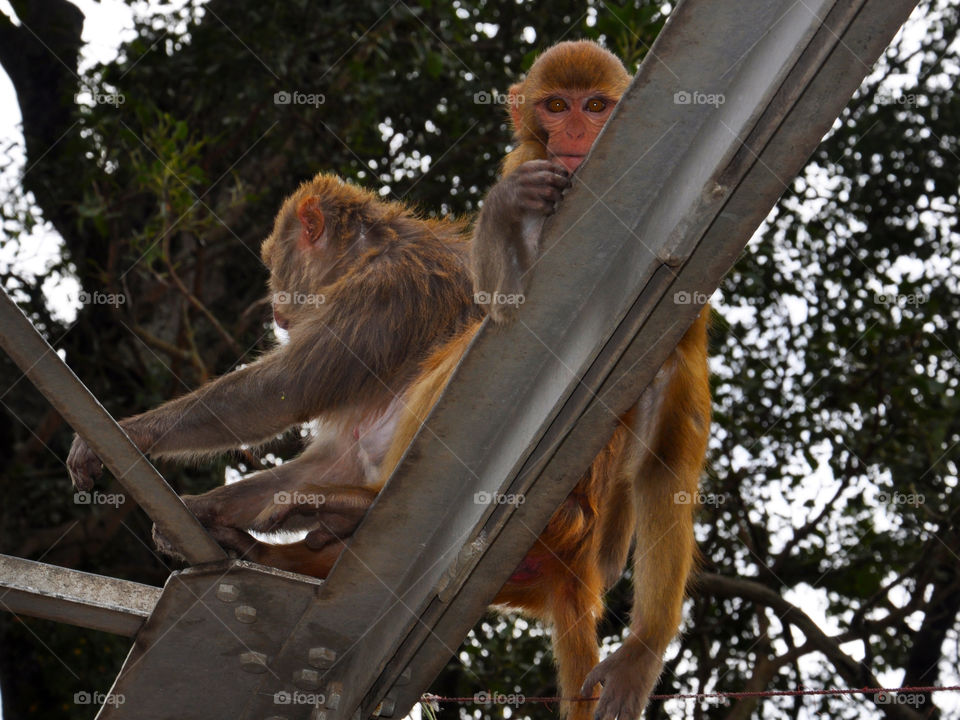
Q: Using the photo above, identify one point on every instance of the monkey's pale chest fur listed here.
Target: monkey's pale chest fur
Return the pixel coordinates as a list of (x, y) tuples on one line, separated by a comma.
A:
[(373, 435)]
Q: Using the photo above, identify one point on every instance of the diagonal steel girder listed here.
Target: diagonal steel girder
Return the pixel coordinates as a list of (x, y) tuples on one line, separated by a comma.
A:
[(670, 196)]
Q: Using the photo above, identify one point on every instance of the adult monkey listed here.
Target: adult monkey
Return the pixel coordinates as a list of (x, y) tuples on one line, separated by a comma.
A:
[(642, 485), (367, 290)]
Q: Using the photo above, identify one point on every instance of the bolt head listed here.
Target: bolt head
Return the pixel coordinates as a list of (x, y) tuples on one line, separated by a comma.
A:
[(245, 614), (334, 690), (307, 678), (321, 657), (254, 662), (227, 592)]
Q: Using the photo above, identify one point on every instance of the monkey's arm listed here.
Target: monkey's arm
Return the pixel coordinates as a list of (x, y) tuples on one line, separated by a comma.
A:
[(245, 406), (356, 350), (673, 426), (507, 233)]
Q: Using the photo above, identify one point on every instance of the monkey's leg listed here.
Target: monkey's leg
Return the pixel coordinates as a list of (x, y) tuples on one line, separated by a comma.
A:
[(281, 499), (617, 467), (673, 421), (335, 509), (242, 504), (663, 556), (575, 610)]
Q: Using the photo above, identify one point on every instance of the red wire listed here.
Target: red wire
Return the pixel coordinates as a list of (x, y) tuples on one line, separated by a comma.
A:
[(520, 699)]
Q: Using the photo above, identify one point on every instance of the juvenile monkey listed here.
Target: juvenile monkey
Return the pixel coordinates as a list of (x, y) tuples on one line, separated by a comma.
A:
[(641, 486), (556, 112)]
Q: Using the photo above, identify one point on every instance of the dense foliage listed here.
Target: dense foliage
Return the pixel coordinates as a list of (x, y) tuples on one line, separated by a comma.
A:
[(830, 530)]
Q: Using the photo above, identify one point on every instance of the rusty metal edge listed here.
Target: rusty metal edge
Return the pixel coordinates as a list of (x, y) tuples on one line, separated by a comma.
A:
[(78, 598)]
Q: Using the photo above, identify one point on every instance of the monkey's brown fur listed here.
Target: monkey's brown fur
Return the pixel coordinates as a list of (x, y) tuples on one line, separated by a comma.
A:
[(368, 290)]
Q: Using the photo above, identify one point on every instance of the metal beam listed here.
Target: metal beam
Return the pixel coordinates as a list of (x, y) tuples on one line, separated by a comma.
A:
[(716, 220), (64, 391), (666, 206), (70, 596), (214, 632)]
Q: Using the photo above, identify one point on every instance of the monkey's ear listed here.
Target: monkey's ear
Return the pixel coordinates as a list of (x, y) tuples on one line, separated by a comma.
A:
[(514, 100), (310, 214)]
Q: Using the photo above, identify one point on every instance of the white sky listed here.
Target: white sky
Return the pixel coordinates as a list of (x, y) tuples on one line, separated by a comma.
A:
[(108, 23)]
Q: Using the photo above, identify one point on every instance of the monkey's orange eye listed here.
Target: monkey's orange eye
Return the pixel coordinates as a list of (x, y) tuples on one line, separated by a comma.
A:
[(596, 105), (556, 105)]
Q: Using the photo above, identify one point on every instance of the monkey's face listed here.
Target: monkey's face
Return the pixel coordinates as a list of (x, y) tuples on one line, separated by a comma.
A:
[(313, 245), (566, 98), (572, 121)]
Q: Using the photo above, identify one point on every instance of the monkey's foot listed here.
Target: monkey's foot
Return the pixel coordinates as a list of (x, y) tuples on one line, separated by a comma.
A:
[(338, 512), (237, 543), (204, 508), (324, 537), (628, 677)]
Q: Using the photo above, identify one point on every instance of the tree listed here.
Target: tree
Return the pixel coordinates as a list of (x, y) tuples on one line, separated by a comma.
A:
[(163, 178), (834, 465)]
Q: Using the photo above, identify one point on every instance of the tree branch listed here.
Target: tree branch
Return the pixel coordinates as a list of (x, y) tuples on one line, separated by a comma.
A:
[(855, 674)]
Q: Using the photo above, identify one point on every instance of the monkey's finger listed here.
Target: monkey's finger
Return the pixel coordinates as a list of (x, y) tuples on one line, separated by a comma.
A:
[(542, 205), (87, 473), (623, 704), (605, 709), (551, 195), (546, 178), (164, 546), (594, 677), (538, 206), (83, 465), (542, 194), (235, 541), (532, 166), (559, 169)]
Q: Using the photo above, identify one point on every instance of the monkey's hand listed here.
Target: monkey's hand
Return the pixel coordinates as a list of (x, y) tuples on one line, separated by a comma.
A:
[(628, 677), (237, 543), (83, 464), (506, 239), (534, 187), (165, 547)]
